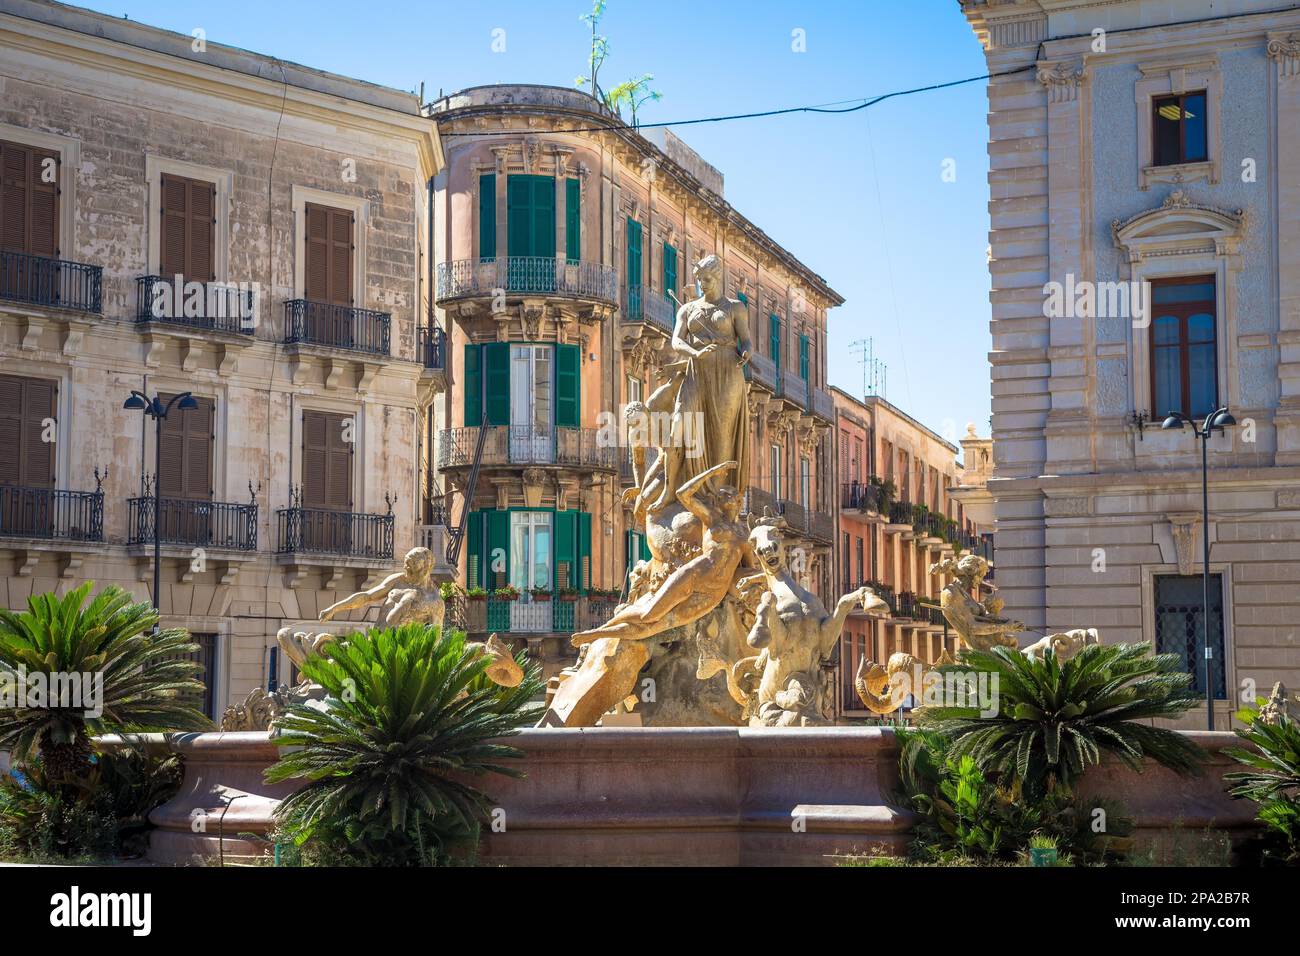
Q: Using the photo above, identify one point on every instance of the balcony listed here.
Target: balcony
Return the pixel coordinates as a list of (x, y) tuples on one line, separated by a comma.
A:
[(821, 404), (643, 304), (337, 326), (51, 283), (882, 591), (342, 534), (794, 388), (527, 275), (49, 514), (527, 445), (219, 525), (860, 496), (221, 307), (528, 615), (763, 372), (431, 348)]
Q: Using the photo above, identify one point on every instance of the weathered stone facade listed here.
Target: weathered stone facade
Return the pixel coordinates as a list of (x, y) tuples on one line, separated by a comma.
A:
[(123, 105), (1098, 509)]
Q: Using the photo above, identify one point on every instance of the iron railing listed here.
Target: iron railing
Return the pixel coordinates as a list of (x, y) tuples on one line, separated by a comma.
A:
[(222, 307), (337, 326), (900, 512), (57, 283), (759, 502), (343, 533), (49, 513), (643, 304), (538, 275), (821, 404), (208, 524), (432, 347), (859, 496), (794, 387), (528, 615), (527, 445), (763, 371), (821, 526)]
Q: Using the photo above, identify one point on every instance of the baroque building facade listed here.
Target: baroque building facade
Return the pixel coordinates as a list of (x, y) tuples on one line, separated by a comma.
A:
[(897, 514), (1145, 255), (565, 242), (180, 216)]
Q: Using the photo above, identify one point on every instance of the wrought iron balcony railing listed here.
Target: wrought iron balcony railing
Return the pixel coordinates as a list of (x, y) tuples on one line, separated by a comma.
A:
[(57, 283), (794, 387), (763, 371), (527, 445), (860, 496), (431, 345), (527, 275), (900, 512), (52, 514), (527, 615), (206, 524), (341, 533), (643, 304), (821, 526), (218, 306), (337, 326), (821, 404)]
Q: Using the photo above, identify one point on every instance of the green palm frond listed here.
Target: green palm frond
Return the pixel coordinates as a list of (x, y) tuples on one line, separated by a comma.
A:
[(411, 715), (1057, 718)]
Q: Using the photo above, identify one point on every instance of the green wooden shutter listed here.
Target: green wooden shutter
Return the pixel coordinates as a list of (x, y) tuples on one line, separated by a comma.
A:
[(544, 217), (634, 277), (498, 545), (530, 216), (803, 357), (474, 562), (572, 220), (670, 271), (519, 195), (644, 547), (473, 385), (568, 386), (566, 549), (774, 340), (584, 550), (487, 216), (496, 378)]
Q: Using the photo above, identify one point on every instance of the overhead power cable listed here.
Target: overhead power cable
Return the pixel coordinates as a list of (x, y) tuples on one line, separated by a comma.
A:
[(864, 104)]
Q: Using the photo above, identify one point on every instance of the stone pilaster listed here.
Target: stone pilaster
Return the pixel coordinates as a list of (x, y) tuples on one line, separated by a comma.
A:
[(1284, 54)]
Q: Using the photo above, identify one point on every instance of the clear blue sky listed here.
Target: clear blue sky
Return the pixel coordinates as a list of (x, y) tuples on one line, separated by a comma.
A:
[(905, 248)]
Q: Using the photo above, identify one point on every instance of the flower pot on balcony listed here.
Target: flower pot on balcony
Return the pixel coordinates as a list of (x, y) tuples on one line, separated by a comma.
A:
[(567, 596), (540, 594)]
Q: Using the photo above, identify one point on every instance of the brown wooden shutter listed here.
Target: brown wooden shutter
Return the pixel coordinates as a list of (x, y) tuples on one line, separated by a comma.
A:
[(326, 462), (188, 228), (29, 206), (25, 457), (329, 255), (187, 439)]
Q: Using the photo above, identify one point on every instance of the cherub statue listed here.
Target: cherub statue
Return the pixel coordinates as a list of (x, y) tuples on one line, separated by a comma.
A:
[(695, 588), (977, 624), (410, 595), (794, 634)]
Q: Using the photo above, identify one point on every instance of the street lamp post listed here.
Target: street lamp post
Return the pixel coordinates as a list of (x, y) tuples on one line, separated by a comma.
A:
[(1217, 420), (156, 409)]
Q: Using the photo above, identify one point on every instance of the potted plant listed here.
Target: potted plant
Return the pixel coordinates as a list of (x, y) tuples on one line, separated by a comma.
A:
[(507, 592), (476, 594), (540, 594), (568, 594), (1042, 850), (449, 590)]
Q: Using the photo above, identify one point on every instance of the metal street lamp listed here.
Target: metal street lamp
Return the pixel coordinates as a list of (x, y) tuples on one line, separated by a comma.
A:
[(156, 409), (1217, 420)]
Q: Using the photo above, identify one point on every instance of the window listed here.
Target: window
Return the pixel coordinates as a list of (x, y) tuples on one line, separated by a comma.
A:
[(572, 220), (530, 387), (1184, 366), (530, 216), (774, 341), (803, 357), (186, 471), (29, 200), (775, 463), (329, 258), (848, 564), (188, 236), (1179, 129), (805, 482), (26, 458), (1180, 612), (327, 461), (530, 550), (670, 272), (206, 658), (634, 389)]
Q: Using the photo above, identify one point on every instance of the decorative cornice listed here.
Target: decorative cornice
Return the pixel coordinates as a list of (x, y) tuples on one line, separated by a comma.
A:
[(1286, 51), (1062, 80)]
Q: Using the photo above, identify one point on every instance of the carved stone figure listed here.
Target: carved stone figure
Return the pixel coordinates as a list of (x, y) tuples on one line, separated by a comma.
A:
[(1279, 707), (1064, 645), (978, 625), (883, 689), (410, 595), (795, 635)]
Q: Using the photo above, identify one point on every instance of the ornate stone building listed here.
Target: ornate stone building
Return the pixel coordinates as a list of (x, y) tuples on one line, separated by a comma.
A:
[(896, 516), (182, 216), (1145, 212), (565, 242)]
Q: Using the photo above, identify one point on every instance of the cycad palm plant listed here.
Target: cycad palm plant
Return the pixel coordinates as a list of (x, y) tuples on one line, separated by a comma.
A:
[(1054, 719), (142, 680), (410, 714), (1271, 779)]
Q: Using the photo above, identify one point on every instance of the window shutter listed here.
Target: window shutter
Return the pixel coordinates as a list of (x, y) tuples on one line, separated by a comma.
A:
[(341, 227), (14, 181), (496, 374), (326, 462), (317, 285), (566, 549), (803, 357), (474, 559), (11, 429), (584, 550), (487, 216), (568, 386), (338, 477), (518, 224), (544, 216), (25, 457), (644, 547), (201, 226), (670, 270), (43, 234), (498, 544), (572, 220), (198, 424), (633, 253), (530, 215), (175, 226), (473, 385), (774, 340), (188, 217)]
